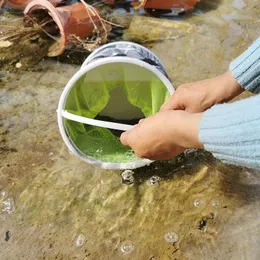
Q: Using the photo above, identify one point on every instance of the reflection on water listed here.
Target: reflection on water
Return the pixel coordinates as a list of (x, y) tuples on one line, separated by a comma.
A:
[(54, 206)]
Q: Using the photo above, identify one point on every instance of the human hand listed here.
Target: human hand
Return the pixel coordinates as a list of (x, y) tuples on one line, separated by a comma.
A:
[(164, 135), (201, 95)]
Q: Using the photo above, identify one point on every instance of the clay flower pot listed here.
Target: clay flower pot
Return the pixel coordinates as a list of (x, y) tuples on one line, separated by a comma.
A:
[(21, 4), (72, 21), (165, 4)]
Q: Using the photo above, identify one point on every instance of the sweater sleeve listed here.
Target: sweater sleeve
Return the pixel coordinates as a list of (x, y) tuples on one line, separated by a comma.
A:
[(246, 68), (232, 132)]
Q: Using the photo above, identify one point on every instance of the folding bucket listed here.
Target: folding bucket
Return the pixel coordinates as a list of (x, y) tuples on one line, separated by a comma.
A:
[(116, 86)]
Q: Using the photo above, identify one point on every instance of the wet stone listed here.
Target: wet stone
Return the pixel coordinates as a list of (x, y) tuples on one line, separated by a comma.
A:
[(7, 235), (202, 224)]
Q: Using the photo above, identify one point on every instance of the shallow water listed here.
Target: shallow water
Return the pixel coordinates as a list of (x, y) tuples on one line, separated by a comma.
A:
[(54, 206)]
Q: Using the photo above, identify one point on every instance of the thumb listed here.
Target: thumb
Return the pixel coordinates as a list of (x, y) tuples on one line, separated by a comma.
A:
[(124, 138), (173, 103)]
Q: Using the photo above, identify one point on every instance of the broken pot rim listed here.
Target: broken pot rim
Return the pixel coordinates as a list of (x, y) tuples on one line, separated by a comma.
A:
[(54, 13), (141, 3), (62, 101)]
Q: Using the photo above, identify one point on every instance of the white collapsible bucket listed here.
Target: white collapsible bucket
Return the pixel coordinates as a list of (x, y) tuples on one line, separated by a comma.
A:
[(110, 76)]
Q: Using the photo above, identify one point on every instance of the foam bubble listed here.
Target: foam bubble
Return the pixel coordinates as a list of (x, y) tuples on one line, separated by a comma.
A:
[(80, 241), (8, 205), (128, 177), (127, 248), (171, 237), (199, 203)]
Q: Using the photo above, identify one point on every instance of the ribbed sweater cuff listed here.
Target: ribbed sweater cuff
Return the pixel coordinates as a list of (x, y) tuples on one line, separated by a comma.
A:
[(232, 132), (246, 68)]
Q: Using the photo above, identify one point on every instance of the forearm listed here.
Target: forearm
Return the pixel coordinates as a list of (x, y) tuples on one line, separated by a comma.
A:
[(232, 132), (246, 68)]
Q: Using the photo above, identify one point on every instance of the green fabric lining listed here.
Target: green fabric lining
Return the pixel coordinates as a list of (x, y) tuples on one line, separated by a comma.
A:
[(90, 95)]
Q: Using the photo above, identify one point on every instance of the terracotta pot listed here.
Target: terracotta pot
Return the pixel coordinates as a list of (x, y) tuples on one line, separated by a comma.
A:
[(21, 4), (165, 4), (73, 20)]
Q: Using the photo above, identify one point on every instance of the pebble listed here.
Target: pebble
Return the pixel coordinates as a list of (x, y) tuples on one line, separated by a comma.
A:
[(5, 44), (18, 65)]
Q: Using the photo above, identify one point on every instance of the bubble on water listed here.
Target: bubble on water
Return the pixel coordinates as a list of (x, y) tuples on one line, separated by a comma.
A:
[(189, 151), (199, 203), (127, 248), (104, 196), (215, 203), (128, 177), (4, 193), (171, 237), (80, 241), (154, 180), (85, 211), (8, 205)]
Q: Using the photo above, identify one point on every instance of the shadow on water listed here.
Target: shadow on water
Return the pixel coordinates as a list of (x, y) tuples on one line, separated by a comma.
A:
[(240, 182), (208, 5), (243, 183)]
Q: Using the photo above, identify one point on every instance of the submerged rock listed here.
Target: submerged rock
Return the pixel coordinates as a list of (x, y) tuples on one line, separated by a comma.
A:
[(147, 29)]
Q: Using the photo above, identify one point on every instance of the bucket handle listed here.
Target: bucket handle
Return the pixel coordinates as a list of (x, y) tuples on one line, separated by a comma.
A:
[(95, 122)]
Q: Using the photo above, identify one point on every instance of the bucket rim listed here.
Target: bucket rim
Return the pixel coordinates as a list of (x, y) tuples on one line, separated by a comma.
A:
[(88, 59), (72, 147)]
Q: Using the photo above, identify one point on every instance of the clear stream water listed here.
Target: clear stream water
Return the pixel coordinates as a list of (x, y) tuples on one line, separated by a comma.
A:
[(54, 206)]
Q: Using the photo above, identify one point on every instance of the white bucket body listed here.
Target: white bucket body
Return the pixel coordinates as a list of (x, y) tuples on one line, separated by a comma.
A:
[(118, 52)]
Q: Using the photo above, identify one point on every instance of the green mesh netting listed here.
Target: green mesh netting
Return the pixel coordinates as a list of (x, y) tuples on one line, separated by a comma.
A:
[(90, 95)]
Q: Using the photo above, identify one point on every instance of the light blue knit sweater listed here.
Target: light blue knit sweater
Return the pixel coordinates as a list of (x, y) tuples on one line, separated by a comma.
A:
[(232, 131)]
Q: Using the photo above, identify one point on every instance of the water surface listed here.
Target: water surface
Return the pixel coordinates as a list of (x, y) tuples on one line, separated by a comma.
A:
[(54, 206)]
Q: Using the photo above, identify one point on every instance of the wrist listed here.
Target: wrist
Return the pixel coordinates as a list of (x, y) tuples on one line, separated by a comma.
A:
[(193, 135), (228, 88), (188, 130)]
